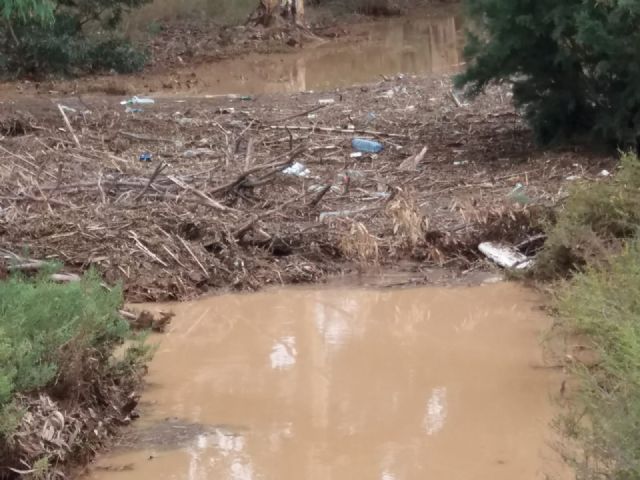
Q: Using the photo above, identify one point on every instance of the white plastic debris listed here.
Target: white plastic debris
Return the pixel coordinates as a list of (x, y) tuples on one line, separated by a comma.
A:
[(326, 101), (571, 178), (138, 101), (505, 255), (298, 170), (604, 173), (356, 154)]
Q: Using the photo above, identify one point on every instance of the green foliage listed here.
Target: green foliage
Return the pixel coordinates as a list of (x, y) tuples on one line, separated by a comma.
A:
[(23, 10), (594, 222), (603, 306), (38, 320), (64, 44), (573, 64)]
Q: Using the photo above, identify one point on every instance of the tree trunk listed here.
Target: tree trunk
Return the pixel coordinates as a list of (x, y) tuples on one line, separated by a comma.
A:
[(272, 12)]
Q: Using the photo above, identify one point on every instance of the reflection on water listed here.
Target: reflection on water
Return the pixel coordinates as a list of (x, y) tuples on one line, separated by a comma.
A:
[(382, 48), (345, 384)]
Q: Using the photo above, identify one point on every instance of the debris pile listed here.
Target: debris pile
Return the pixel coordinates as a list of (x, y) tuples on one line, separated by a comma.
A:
[(194, 194)]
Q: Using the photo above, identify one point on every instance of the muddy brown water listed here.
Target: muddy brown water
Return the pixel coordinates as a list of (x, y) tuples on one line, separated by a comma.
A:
[(420, 44), (337, 384)]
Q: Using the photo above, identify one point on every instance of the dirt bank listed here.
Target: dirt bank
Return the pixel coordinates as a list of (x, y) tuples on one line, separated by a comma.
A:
[(213, 208)]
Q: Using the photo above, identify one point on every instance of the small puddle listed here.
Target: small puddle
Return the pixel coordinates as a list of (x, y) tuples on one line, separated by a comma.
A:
[(443, 383)]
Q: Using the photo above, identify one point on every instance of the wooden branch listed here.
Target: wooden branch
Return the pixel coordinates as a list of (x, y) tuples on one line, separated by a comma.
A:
[(194, 256), (209, 201), (161, 166), (144, 249), (62, 109), (243, 176)]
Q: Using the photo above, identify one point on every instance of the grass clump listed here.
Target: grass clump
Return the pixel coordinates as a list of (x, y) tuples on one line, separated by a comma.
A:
[(595, 221), (38, 319), (602, 305), (56, 361)]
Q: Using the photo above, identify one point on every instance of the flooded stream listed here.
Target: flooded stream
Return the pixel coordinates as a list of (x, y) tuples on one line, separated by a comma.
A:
[(386, 47), (327, 384)]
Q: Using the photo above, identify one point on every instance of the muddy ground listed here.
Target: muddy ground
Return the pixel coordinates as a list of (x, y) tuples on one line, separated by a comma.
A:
[(214, 208)]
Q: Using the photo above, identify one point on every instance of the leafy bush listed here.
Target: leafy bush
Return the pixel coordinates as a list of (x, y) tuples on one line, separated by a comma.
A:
[(40, 321), (603, 423), (37, 45), (593, 223), (573, 64)]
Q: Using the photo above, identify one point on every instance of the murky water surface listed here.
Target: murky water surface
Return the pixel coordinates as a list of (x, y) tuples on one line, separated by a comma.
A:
[(347, 384), (385, 47)]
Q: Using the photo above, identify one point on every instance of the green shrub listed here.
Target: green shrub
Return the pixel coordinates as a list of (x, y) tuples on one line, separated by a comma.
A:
[(41, 321), (79, 37), (573, 64), (593, 223), (603, 424)]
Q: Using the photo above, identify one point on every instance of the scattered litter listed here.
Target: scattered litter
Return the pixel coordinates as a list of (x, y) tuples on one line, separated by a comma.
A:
[(505, 256), (326, 101), (298, 170), (246, 98), (571, 178), (133, 110), (311, 116), (604, 173), (356, 154), (519, 195), (145, 157), (458, 163), (138, 101), (387, 94), (367, 146), (226, 110), (412, 162)]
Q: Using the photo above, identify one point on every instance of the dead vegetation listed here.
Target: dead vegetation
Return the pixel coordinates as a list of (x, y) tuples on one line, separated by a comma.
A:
[(244, 193)]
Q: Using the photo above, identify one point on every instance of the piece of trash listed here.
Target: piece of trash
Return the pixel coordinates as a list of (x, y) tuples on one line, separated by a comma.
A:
[(387, 94), (246, 98), (326, 101), (457, 163), (366, 146), (226, 110), (297, 169), (505, 256), (518, 194), (145, 157), (604, 173), (138, 101), (571, 178), (311, 116), (133, 110), (197, 152), (411, 163), (356, 154)]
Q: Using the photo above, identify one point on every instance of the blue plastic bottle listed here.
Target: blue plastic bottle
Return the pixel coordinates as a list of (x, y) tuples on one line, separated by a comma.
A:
[(366, 146)]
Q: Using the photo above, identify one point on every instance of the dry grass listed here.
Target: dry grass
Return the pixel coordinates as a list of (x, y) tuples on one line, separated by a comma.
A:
[(359, 245), (409, 225)]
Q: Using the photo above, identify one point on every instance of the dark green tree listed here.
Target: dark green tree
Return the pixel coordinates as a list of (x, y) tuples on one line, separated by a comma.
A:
[(574, 64), (38, 37)]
